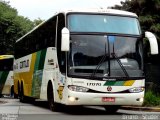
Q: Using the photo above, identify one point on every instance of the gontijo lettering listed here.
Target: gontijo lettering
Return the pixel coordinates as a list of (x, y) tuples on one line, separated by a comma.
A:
[(24, 64)]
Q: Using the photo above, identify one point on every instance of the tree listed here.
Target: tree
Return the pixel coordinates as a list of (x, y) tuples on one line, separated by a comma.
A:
[(149, 17), (12, 27), (148, 12), (37, 21)]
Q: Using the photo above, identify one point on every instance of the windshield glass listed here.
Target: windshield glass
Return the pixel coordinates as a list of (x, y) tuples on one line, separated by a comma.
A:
[(6, 64), (105, 56), (103, 23)]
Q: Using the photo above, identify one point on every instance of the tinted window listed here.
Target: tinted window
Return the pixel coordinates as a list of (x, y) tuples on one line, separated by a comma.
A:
[(39, 39), (103, 23)]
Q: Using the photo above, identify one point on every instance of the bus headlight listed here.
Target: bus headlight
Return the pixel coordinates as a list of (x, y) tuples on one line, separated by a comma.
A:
[(78, 88), (136, 89)]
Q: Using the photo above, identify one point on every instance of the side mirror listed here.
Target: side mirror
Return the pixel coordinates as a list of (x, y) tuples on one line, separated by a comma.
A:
[(153, 42), (65, 39)]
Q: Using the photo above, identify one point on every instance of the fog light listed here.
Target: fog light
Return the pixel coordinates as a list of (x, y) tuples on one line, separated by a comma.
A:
[(136, 89), (72, 99), (141, 99)]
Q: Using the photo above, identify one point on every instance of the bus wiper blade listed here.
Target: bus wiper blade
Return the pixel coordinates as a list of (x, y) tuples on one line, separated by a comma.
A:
[(100, 63), (120, 64), (98, 66)]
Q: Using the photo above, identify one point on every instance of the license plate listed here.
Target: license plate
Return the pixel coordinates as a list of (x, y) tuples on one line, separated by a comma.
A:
[(108, 99)]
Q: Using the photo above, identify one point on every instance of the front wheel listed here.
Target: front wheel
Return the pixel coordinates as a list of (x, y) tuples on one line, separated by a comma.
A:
[(52, 104)]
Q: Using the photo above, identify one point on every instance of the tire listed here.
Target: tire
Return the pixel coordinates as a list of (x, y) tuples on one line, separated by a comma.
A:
[(111, 109), (50, 96), (22, 96), (12, 91), (19, 91), (15, 95)]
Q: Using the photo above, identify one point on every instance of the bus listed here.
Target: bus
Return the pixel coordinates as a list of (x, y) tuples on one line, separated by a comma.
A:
[(83, 57), (6, 75)]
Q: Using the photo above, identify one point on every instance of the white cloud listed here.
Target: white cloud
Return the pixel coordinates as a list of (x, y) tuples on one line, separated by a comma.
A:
[(46, 8)]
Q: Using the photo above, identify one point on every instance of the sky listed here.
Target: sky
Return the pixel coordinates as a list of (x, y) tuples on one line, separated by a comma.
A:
[(44, 9)]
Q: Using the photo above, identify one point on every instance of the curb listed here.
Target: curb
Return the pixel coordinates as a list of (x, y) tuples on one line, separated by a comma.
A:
[(2, 102), (148, 109)]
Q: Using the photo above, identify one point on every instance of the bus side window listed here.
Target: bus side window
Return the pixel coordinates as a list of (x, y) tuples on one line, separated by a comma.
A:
[(52, 32), (61, 55)]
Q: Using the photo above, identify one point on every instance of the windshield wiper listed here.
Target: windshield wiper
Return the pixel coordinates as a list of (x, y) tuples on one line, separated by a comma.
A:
[(120, 64), (103, 59), (98, 66), (100, 63)]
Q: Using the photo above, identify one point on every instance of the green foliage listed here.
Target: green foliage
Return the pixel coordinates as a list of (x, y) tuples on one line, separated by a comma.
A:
[(151, 99), (37, 21), (12, 27), (148, 12)]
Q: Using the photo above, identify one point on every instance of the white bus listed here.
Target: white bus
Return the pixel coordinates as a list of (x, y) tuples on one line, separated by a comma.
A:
[(6, 75), (83, 57)]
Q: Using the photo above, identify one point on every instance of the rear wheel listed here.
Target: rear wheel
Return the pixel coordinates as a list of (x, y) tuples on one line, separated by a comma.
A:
[(52, 104), (15, 95), (22, 96), (12, 91), (19, 90)]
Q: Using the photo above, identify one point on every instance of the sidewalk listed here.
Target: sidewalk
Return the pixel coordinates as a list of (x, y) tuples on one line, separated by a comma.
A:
[(137, 108), (134, 108), (2, 101), (5, 99)]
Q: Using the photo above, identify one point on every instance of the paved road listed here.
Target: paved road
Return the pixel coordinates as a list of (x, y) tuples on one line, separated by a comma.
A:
[(12, 109)]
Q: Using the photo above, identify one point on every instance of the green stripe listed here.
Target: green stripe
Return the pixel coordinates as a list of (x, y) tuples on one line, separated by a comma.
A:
[(114, 83), (37, 60), (3, 77), (0, 74), (42, 59), (38, 73), (109, 83), (119, 83)]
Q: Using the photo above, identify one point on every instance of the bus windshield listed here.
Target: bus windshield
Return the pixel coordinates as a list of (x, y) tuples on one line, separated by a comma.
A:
[(105, 56), (103, 23), (6, 64)]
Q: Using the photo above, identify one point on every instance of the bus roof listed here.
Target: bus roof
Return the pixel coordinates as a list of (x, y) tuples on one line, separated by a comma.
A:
[(92, 10), (30, 31), (101, 11), (6, 57)]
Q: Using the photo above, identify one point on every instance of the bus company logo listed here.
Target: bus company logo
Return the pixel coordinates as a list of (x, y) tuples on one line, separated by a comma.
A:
[(109, 88)]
